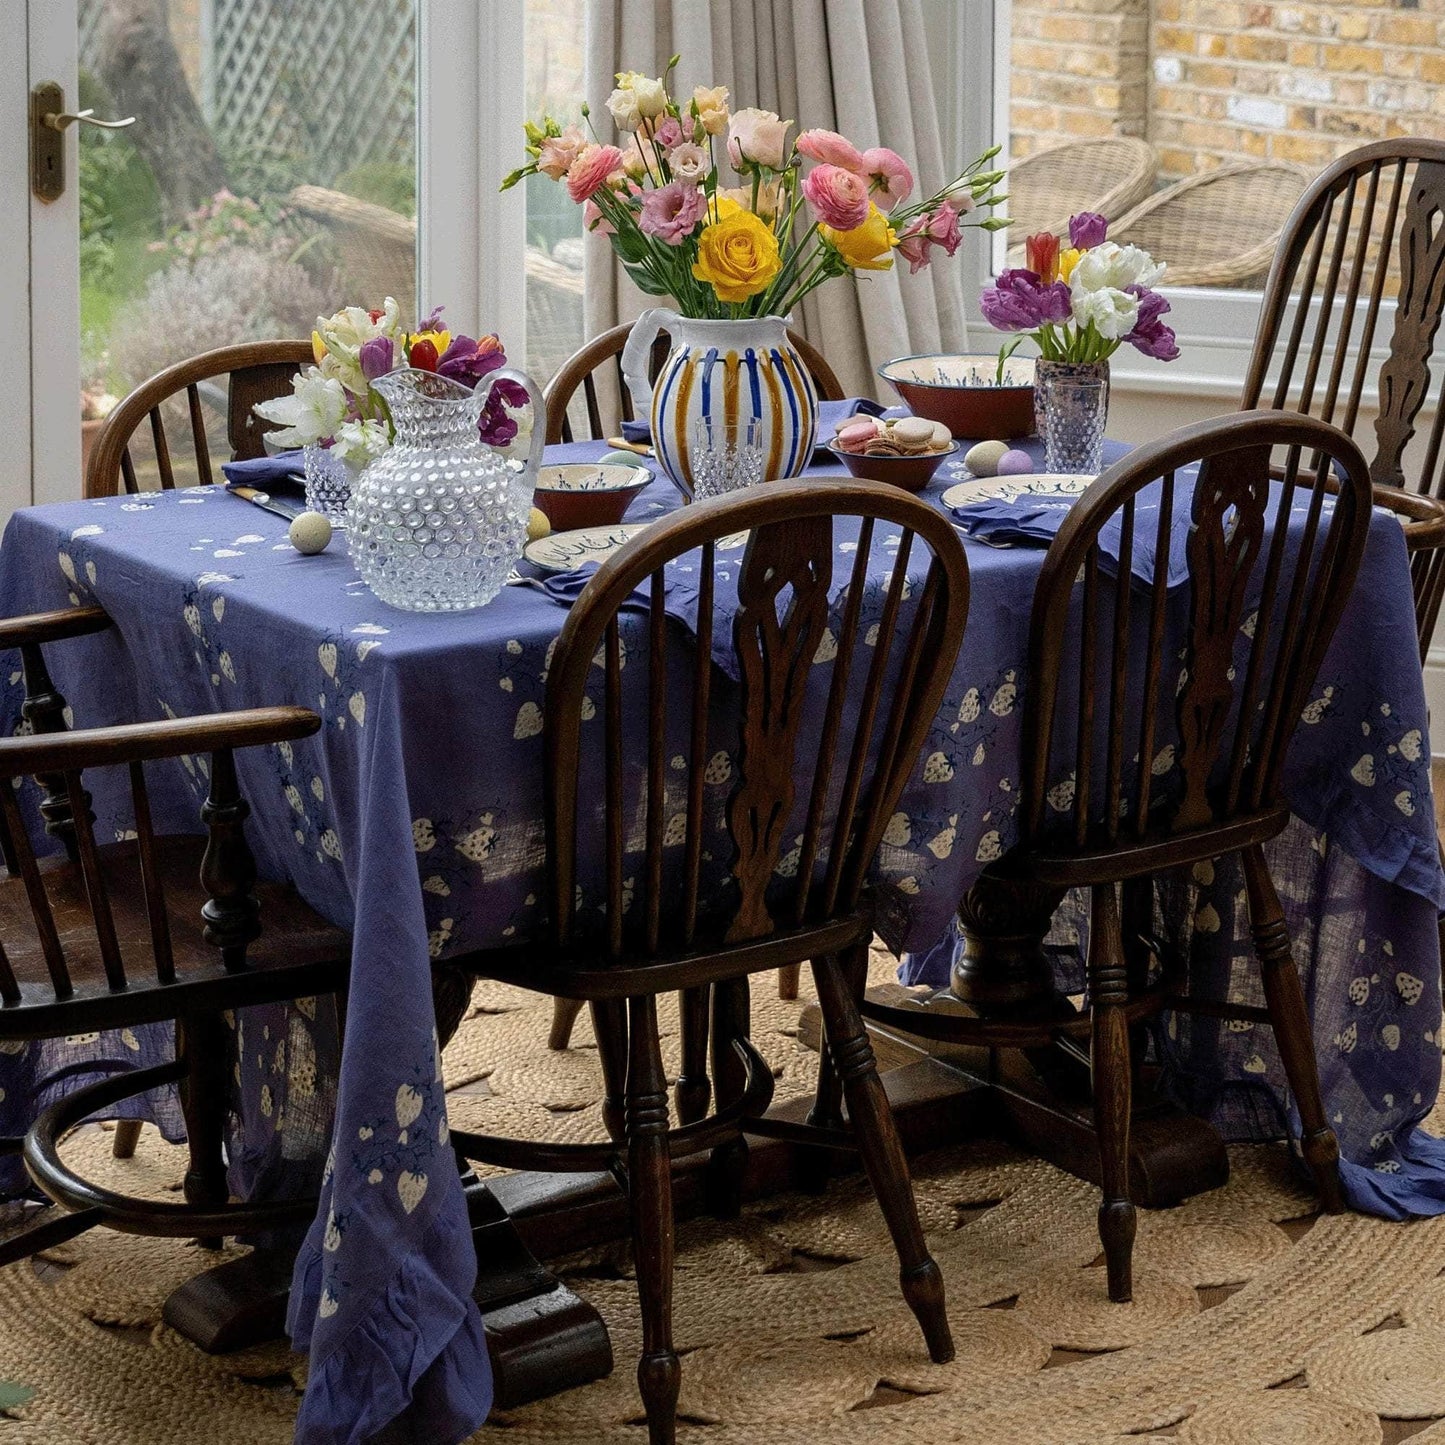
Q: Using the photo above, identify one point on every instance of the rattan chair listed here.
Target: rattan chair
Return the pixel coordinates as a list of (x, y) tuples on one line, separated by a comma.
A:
[(1108, 176), (1219, 228)]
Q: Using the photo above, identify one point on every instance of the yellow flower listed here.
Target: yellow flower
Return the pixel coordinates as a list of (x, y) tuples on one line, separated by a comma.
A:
[(318, 347), (868, 247), (724, 206), (1068, 259), (440, 339), (737, 256)]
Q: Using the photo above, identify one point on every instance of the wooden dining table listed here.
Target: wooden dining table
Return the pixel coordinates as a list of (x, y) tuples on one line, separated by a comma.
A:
[(413, 818)]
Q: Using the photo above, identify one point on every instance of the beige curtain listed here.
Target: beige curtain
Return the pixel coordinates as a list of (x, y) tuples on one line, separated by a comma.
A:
[(855, 66)]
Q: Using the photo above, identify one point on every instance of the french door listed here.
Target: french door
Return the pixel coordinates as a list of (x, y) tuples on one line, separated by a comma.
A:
[(283, 159)]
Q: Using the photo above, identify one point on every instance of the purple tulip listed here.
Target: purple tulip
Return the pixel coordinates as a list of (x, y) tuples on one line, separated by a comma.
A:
[(376, 357), (1017, 302), (1087, 229), (432, 322), (497, 426), (468, 361), (1150, 335)]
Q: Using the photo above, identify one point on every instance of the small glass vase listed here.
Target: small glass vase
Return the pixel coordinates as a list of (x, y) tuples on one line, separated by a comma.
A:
[(329, 481), (1047, 372), (721, 463), (1074, 426)]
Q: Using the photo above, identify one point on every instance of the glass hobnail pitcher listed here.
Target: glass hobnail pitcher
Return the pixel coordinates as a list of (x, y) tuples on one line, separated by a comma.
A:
[(436, 523)]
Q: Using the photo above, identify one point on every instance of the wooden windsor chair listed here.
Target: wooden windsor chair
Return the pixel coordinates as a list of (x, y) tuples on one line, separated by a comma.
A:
[(831, 787), (75, 928), (253, 371), (1102, 704), (1361, 264), (582, 369)]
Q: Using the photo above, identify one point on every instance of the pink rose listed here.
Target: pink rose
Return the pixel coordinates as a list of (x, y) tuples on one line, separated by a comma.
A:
[(888, 175), (671, 212), (559, 151), (668, 133), (688, 162), (594, 166), (755, 138), (838, 197), (831, 149)]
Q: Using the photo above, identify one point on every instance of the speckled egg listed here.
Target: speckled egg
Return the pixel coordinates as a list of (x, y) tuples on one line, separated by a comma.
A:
[(310, 533), (537, 524), (983, 457), (1015, 463)]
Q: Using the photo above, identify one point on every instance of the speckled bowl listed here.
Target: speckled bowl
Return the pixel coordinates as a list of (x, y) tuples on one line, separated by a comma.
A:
[(958, 390)]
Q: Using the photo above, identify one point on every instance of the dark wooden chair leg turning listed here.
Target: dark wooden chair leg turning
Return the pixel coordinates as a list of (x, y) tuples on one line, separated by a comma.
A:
[(649, 1179), (788, 980), (1113, 1088), (731, 1019), (1289, 1014), (881, 1150), (694, 1088), (609, 1024), (564, 1016), (127, 1136)]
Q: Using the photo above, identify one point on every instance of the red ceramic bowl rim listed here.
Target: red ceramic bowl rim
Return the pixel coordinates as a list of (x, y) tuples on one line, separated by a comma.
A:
[(988, 356), (640, 477)]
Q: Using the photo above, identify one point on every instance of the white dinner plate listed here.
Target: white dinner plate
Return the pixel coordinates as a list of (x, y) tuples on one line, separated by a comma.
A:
[(1006, 489), (561, 551)]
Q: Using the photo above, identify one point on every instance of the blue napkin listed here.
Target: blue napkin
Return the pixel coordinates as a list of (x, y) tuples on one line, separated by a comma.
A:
[(1034, 521), (830, 413), (266, 472)]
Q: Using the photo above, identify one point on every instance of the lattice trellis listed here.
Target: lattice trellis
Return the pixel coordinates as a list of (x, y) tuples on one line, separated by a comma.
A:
[(332, 82)]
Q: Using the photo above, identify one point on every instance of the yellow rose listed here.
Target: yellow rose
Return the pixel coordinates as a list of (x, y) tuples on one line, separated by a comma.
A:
[(868, 247), (737, 256)]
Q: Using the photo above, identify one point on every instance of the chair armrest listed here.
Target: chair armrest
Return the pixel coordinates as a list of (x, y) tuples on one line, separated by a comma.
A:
[(139, 742), (41, 627)]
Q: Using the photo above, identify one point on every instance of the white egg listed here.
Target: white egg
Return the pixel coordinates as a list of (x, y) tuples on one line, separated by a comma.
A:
[(982, 458), (310, 533)]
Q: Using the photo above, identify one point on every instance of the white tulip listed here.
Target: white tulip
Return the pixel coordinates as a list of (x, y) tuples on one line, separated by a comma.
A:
[(361, 442), (313, 411), (1111, 265), (1112, 312)]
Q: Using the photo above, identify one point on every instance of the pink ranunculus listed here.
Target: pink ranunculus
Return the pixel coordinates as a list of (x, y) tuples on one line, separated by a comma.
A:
[(559, 151), (838, 197), (591, 170), (755, 138), (888, 175), (668, 132), (672, 212), (830, 148), (688, 162)]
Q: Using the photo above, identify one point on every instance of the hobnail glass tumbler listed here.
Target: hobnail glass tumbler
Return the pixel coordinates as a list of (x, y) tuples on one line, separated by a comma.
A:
[(723, 463), (329, 481), (1074, 417)]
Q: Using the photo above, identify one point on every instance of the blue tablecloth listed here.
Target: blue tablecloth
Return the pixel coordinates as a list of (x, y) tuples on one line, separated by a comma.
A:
[(414, 818)]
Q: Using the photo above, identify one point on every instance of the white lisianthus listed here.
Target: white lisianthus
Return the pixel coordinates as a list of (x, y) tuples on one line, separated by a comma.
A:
[(1111, 312), (314, 411), (623, 107), (361, 442), (651, 95), (1109, 265)]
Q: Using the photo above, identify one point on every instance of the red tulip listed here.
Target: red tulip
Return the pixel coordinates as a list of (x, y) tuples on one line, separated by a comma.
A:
[(423, 355), (1042, 256)]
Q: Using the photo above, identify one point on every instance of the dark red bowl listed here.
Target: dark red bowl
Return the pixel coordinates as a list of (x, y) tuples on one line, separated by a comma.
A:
[(910, 473), (587, 494), (943, 388)]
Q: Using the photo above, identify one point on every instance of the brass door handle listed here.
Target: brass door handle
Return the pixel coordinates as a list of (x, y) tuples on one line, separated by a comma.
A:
[(58, 120), (48, 121)]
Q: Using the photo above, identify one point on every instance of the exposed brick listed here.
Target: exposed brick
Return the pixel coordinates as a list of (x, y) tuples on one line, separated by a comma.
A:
[(1354, 57)]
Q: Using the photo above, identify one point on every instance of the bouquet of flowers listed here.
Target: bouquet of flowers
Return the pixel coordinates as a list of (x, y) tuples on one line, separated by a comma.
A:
[(758, 245), (333, 403), (1080, 302)]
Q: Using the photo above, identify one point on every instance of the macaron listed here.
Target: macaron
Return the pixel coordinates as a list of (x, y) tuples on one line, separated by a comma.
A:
[(913, 430), (983, 457), (856, 435), (1015, 463)]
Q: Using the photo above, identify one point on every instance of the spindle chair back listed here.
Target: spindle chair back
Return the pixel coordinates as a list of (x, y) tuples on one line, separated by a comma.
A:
[(253, 371), (1349, 324), (583, 368)]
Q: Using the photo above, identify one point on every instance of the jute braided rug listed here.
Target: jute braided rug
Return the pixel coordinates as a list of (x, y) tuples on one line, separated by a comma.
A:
[(1255, 1322)]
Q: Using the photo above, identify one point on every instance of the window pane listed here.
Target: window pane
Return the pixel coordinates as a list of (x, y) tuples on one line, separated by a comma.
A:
[(556, 86), (270, 177)]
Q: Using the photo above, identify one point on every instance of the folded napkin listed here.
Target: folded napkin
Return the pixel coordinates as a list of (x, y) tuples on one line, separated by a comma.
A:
[(830, 413), (1034, 521), (565, 588), (275, 484)]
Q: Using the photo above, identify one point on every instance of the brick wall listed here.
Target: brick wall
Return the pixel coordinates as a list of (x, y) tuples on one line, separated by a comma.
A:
[(1215, 80)]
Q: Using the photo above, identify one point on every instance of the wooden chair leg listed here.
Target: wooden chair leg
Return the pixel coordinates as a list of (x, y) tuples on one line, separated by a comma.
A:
[(564, 1015), (1289, 1015), (649, 1177), (205, 1043), (609, 1024), (789, 976), (812, 1168), (693, 1086), (127, 1136), (882, 1150), (731, 1019), (1113, 1091)]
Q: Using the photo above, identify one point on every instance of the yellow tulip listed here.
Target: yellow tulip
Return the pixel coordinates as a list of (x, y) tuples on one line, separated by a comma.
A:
[(440, 339), (318, 347), (868, 247), (1068, 259), (737, 256)]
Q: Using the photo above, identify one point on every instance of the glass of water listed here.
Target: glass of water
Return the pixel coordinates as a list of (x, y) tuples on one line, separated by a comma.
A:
[(726, 459), (1074, 417)]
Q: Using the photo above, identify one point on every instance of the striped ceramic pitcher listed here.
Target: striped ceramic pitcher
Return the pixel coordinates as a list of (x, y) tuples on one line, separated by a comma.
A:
[(726, 372)]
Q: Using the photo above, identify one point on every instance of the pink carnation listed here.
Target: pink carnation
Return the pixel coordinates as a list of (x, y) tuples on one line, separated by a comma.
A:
[(831, 149), (594, 166), (671, 212), (559, 151), (839, 197), (888, 175)]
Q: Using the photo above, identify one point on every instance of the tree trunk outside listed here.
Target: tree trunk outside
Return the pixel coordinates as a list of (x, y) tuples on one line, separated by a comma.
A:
[(143, 73)]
